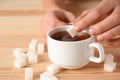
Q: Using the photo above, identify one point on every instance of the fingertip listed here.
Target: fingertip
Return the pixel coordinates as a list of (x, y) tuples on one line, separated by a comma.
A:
[(114, 42), (109, 43), (77, 29), (70, 16), (100, 38), (92, 31)]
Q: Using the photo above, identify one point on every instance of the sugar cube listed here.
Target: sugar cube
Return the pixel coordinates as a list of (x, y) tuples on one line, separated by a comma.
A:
[(71, 31), (31, 52), (21, 55), (28, 73), (110, 67), (32, 59), (40, 48), (47, 76), (19, 63), (109, 58), (53, 68), (44, 78), (33, 44), (17, 51), (52, 78), (109, 64)]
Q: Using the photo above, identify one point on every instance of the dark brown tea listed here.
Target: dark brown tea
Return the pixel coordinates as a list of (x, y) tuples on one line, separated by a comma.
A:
[(64, 36)]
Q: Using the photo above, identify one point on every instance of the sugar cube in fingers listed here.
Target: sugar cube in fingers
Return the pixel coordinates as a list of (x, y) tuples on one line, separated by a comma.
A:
[(28, 73), (33, 44), (40, 48), (32, 59), (110, 67), (17, 51), (71, 31), (53, 68), (19, 63)]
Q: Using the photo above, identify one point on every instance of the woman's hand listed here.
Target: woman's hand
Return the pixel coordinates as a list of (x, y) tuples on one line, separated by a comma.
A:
[(102, 21), (56, 18)]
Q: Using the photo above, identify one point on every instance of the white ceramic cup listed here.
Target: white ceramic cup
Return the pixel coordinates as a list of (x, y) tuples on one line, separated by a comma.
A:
[(73, 54)]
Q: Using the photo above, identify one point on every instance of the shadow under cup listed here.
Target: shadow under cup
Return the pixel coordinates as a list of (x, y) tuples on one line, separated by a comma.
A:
[(69, 54)]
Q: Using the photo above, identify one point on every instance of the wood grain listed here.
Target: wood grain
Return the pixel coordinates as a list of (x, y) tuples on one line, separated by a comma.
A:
[(21, 4), (20, 23)]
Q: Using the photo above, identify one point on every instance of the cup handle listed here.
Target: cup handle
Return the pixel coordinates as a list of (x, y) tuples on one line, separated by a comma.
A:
[(100, 49)]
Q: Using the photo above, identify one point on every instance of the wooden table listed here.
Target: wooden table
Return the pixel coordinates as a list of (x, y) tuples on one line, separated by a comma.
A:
[(20, 23)]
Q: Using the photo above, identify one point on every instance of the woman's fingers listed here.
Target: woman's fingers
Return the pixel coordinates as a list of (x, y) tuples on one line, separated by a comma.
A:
[(82, 15), (69, 16), (113, 42), (57, 18), (44, 27), (50, 19), (63, 17), (108, 23), (109, 34), (93, 15)]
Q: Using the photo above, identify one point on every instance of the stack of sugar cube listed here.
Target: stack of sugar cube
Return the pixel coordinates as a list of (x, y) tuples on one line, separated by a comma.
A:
[(49, 74), (31, 57), (53, 69), (21, 58), (38, 48), (109, 64), (35, 49)]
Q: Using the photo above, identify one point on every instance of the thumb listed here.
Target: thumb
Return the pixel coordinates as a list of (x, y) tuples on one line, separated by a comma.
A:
[(60, 23), (69, 16)]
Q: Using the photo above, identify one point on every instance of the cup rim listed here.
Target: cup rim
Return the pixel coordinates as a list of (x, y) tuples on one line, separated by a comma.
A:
[(63, 27)]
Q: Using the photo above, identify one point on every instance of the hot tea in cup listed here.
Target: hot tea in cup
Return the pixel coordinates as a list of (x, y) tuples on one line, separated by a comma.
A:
[(72, 52), (65, 36)]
